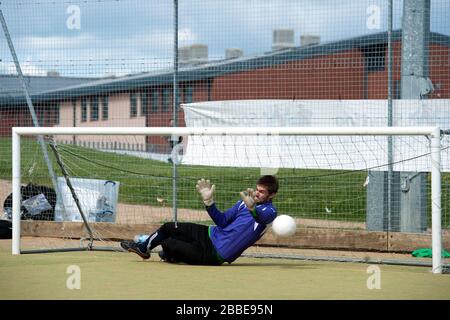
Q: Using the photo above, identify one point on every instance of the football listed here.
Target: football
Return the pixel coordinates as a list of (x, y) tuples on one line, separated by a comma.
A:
[(284, 226)]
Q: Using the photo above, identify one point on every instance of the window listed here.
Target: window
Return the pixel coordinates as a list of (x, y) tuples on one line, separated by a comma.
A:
[(374, 57), (105, 108), (144, 103), (133, 105), (94, 108), (397, 89), (83, 110), (57, 110), (188, 94), (41, 114), (165, 99), (74, 112), (180, 96), (154, 101)]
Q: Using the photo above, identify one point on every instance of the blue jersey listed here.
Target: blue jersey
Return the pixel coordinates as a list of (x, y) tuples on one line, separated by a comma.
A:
[(237, 228)]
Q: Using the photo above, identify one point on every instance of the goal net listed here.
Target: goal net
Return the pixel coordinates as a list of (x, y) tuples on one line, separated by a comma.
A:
[(113, 184)]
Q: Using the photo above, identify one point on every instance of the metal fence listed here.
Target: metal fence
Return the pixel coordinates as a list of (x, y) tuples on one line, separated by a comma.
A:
[(137, 63)]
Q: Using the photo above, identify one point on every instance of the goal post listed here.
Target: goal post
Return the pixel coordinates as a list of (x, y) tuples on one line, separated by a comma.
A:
[(432, 133)]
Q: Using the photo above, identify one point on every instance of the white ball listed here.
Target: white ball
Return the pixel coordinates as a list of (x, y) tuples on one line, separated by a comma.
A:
[(284, 226)]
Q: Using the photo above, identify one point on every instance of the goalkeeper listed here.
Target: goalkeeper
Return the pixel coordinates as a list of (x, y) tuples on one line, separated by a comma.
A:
[(236, 229)]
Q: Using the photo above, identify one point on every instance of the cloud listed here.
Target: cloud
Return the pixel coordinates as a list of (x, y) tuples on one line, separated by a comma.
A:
[(89, 55), (250, 24), (28, 68), (157, 40), (186, 37), (133, 35), (34, 43)]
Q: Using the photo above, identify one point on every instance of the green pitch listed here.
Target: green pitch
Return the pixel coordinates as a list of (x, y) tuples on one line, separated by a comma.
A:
[(303, 193), (108, 275)]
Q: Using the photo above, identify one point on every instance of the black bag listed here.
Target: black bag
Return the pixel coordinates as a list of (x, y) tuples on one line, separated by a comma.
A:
[(5, 229), (38, 203)]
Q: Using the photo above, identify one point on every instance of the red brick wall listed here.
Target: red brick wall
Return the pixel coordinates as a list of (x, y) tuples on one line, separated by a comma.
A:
[(336, 76), (19, 116), (16, 116), (378, 80), (439, 69), (439, 73)]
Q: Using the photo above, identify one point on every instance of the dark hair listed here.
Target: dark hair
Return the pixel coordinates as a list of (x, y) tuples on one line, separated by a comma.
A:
[(270, 182)]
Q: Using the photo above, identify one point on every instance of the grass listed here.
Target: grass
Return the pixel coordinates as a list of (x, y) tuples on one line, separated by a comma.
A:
[(324, 194), (106, 275)]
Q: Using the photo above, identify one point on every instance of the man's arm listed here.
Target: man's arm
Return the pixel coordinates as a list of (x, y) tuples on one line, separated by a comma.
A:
[(263, 213), (219, 218), (206, 191)]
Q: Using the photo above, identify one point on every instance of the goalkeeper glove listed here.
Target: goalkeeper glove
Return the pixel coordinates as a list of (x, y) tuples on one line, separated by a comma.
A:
[(249, 199), (206, 190)]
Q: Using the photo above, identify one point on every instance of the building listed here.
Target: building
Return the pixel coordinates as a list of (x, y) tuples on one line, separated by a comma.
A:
[(13, 108), (349, 69)]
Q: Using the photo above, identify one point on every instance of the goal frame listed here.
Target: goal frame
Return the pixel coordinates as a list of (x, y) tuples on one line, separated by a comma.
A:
[(433, 133)]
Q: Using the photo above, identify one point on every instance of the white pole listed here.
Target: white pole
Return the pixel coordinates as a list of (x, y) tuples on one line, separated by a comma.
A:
[(16, 192), (432, 132), (436, 200), (278, 131)]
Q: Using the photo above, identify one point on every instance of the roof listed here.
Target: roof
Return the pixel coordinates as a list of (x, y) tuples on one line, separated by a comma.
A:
[(11, 87), (213, 69)]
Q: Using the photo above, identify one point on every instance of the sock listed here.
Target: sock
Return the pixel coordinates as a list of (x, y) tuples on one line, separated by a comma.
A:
[(152, 241), (141, 242)]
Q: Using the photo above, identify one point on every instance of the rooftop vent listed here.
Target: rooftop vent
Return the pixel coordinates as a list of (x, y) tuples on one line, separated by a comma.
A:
[(233, 53), (282, 39), (196, 53), (52, 74), (309, 39)]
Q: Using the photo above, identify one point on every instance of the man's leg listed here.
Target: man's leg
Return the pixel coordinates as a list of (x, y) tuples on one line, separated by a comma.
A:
[(143, 248), (182, 251), (189, 243), (184, 231), (132, 246)]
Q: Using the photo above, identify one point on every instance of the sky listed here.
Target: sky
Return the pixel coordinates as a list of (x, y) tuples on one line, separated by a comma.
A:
[(97, 38)]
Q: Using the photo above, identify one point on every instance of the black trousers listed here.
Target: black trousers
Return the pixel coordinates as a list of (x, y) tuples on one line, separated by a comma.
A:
[(188, 243)]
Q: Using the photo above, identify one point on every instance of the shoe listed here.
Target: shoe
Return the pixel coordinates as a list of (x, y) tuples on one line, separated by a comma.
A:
[(132, 246), (169, 160)]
